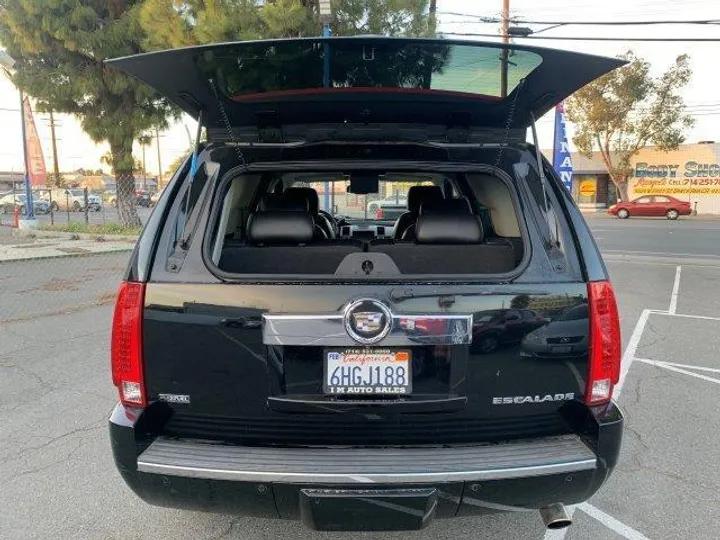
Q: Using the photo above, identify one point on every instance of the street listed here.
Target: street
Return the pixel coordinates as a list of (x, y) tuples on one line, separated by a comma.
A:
[(656, 237), (58, 478)]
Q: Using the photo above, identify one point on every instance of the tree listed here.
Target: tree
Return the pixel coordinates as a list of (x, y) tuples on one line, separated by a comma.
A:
[(521, 301), (59, 46), (144, 140), (178, 23), (175, 165), (626, 110), (383, 17)]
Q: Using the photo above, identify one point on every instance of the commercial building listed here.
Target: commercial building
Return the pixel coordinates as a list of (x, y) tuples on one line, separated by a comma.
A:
[(8, 179), (690, 173)]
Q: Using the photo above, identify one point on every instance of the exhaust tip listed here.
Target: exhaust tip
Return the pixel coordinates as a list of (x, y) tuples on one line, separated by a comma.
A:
[(555, 516)]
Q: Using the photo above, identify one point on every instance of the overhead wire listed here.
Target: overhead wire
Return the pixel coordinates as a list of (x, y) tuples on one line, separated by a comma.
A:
[(597, 38), (483, 19)]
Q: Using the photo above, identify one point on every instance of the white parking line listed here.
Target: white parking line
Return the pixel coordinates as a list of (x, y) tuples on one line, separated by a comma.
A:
[(676, 289), (678, 370), (611, 523), (627, 359), (629, 354), (684, 366), (685, 316)]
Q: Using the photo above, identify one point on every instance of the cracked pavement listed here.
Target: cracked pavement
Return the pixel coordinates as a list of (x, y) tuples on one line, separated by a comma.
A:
[(57, 478)]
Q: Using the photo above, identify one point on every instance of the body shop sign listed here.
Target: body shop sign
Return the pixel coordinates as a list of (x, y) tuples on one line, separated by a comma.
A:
[(692, 178)]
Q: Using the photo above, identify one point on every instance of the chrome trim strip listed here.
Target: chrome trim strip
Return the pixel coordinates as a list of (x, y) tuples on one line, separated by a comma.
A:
[(320, 317), (519, 459), (328, 329)]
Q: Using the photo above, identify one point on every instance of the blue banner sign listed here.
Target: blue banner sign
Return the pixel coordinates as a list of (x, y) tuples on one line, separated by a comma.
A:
[(561, 151)]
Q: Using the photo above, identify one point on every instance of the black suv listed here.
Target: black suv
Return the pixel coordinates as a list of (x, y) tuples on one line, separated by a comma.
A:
[(281, 353)]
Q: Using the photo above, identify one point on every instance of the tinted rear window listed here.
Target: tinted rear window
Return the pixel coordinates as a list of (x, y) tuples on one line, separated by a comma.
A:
[(299, 66)]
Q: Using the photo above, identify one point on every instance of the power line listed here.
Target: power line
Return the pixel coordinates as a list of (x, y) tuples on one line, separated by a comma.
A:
[(578, 38), (482, 19)]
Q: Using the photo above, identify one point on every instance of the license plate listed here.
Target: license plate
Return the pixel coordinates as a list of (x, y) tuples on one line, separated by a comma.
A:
[(367, 372)]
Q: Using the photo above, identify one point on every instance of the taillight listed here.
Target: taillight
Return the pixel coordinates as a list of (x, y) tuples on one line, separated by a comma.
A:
[(126, 344), (604, 369), (379, 213)]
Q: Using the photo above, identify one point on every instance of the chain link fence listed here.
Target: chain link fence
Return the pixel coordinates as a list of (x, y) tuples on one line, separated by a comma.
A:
[(72, 256), (115, 204)]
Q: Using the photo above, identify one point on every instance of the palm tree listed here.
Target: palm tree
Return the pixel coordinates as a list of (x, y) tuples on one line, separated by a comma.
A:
[(145, 139)]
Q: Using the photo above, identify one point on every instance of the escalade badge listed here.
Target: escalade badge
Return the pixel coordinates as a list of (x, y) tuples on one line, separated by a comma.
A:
[(367, 321)]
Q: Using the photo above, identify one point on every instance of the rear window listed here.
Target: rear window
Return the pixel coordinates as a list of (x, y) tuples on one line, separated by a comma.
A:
[(261, 68), (365, 223)]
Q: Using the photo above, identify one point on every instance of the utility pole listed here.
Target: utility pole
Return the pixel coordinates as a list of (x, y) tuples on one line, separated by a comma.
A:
[(157, 138), (325, 12), (143, 164), (433, 16), (56, 167), (505, 16)]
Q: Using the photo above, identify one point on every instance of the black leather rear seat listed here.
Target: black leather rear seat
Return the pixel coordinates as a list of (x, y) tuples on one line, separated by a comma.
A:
[(448, 239), (285, 241)]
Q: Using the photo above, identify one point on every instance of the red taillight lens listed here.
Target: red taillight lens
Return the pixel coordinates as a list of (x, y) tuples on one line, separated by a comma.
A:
[(379, 213), (604, 371), (126, 344)]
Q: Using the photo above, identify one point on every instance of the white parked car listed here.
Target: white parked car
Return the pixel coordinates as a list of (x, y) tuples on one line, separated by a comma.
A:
[(73, 199), (374, 206)]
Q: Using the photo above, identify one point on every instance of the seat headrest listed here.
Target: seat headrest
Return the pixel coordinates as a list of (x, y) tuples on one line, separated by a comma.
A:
[(304, 195), (280, 227), (460, 205), (275, 201), (419, 194), (448, 229)]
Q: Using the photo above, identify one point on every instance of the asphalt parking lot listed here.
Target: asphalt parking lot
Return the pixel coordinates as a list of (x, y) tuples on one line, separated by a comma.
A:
[(57, 477)]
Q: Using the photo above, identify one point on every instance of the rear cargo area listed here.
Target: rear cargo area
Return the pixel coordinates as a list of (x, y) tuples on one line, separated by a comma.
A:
[(451, 224)]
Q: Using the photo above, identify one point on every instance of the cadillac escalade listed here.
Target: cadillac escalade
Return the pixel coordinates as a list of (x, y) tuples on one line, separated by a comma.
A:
[(281, 352)]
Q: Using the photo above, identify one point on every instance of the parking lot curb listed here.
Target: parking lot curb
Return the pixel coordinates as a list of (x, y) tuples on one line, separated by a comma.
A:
[(39, 233), (68, 255), (73, 255)]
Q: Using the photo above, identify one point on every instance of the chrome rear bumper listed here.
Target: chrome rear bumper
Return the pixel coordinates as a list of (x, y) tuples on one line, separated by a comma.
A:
[(363, 466)]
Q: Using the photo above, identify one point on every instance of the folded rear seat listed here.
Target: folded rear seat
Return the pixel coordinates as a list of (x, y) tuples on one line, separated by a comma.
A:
[(448, 244), (281, 242)]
